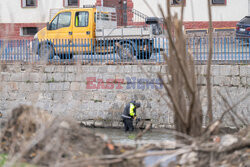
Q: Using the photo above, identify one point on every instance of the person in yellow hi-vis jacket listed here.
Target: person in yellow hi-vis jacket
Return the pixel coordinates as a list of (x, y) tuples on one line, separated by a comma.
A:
[(129, 114)]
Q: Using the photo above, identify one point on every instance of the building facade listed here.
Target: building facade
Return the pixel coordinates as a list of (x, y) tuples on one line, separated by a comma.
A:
[(225, 13), (21, 19)]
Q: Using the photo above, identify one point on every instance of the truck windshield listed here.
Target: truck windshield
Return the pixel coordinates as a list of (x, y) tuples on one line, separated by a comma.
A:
[(82, 19), (60, 21)]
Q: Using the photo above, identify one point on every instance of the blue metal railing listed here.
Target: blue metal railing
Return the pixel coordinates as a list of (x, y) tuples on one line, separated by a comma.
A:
[(118, 51)]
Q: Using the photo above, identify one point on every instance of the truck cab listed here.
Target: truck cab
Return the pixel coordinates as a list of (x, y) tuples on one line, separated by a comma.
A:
[(67, 27), (90, 31)]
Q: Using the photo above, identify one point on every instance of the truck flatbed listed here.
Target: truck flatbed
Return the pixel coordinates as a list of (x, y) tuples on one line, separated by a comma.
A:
[(123, 32)]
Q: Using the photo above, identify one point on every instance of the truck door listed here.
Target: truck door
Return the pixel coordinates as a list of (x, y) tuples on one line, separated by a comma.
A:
[(82, 31), (60, 33)]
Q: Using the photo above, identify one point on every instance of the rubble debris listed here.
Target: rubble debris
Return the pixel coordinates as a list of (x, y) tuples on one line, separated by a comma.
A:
[(225, 150), (34, 136)]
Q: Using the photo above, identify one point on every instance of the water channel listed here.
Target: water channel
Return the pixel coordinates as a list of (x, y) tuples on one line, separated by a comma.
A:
[(118, 136)]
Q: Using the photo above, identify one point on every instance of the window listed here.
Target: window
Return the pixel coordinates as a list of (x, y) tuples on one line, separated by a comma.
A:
[(103, 16), (82, 19), (71, 3), (177, 2), (28, 31), (60, 21), (29, 3), (219, 2)]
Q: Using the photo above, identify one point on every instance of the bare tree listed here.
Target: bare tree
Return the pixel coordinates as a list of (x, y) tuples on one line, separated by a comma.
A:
[(182, 83), (209, 89)]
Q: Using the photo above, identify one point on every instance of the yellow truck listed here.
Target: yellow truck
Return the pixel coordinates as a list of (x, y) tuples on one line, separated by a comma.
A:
[(94, 30)]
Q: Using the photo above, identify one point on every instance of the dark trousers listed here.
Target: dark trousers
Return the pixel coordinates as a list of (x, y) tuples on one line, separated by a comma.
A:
[(128, 124)]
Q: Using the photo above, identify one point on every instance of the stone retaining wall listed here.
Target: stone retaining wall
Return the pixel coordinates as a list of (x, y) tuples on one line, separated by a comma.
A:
[(72, 91)]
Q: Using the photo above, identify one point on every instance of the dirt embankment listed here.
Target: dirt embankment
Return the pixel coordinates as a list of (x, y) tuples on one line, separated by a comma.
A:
[(35, 137)]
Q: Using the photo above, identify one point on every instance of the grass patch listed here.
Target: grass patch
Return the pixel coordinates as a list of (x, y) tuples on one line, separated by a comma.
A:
[(3, 160), (96, 100), (51, 81)]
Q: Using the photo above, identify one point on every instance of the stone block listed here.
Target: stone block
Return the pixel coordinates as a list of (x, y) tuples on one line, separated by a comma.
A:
[(1, 87), (121, 96), (36, 87), (98, 124), (87, 96), (243, 81), (221, 80), (248, 81), (235, 81), (84, 106), (5, 76), (201, 80), (44, 86), (156, 68), (34, 77), (80, 77), (108, 77), (77, 95), (112, 69), (24, 86), (58, 77), (49, 78), (25, 77), (14, 68), (126, 69), (102, 69), (70, 77), (15, 77), (49, 69), (228, 70), (83, 86), (60, 69), (45, 105), (74, 105), (216, 70), (90, 69), (135, 69), (89, 123), (245, 70), (75, 86), (71, 69), (33, 97), (43, 77), (67, 97), (145, 68), (201, 70), (235, 70), (110, 97), (59, 86)]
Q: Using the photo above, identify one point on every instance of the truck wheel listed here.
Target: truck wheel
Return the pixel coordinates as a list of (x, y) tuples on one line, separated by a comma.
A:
[(46, 52), (66, 56), (125, 51)]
